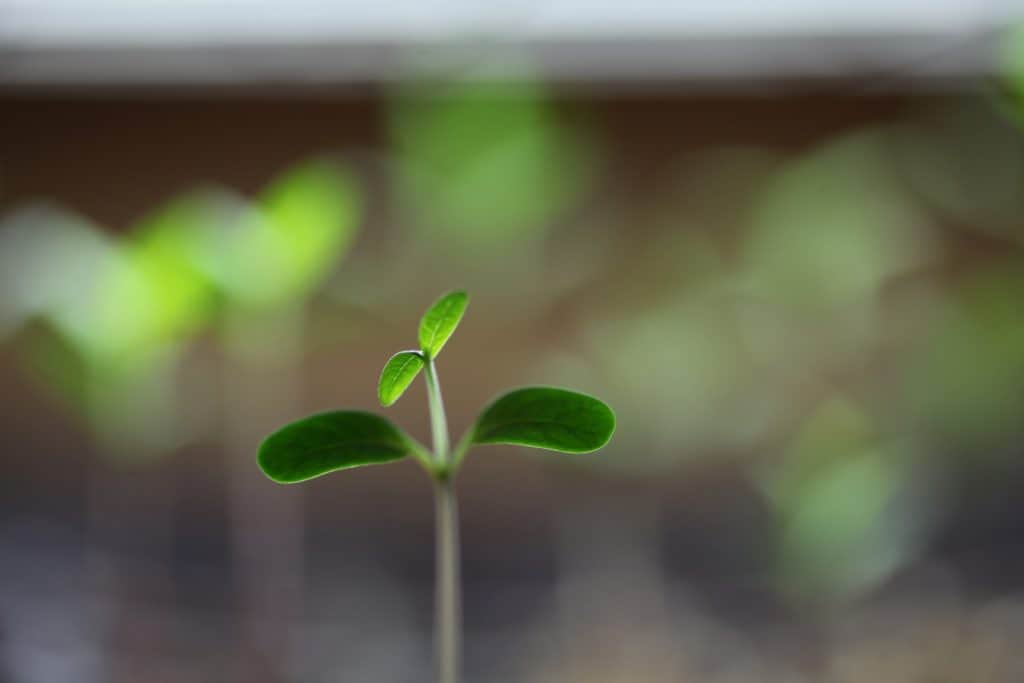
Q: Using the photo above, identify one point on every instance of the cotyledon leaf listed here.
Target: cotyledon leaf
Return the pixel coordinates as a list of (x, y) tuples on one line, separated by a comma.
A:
[(440, 321), (330, 441), (546, 417), (399, 372)]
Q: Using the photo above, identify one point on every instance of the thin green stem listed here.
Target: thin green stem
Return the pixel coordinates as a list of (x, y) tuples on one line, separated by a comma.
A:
[(448, 586), (461, 448), (438, 421)]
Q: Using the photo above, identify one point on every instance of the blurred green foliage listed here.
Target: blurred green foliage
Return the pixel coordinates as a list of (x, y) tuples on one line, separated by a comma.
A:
[(732, 323), (36, 240), (112, 315), (964, 161), (277, 250), (967, 384), (836, 495), (831, 227), (678, 370), (485, 162), (149, 294), (102, 334)]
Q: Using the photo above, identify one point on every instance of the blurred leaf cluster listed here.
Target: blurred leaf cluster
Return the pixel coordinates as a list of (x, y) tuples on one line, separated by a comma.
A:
[(109, 317), (485, 163)]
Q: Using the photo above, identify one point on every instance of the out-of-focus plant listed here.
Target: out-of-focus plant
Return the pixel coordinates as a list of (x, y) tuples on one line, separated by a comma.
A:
[(846, 511), (687, 394), (759, 296), (486, 162), (32, 240), (275, 251), (539, 417), (493, 178), (964, 161), (830, 228), (965, 384), (123, 308), (38, 236), (120, 311), (826, 236)]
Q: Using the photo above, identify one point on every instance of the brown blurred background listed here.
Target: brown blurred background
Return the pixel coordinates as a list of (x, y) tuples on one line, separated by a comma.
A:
[(790, 259)]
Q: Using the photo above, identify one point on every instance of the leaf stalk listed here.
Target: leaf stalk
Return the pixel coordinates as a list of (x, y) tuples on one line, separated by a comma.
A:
[(448, 585), (438, 421)]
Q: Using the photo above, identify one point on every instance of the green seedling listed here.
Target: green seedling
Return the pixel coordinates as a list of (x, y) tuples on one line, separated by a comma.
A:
[(539, 417)]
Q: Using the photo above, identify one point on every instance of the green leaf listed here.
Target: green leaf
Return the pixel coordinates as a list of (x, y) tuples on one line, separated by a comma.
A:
[(397, 375), (440, 321), (544, 417), (331, 441)]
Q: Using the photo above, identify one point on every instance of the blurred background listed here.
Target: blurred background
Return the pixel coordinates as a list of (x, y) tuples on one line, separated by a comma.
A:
[(785, 243)]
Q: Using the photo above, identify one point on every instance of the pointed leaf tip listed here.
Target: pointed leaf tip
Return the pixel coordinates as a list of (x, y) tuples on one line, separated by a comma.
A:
[(546, 417), (399, 372), (440, 321), (327, 442)]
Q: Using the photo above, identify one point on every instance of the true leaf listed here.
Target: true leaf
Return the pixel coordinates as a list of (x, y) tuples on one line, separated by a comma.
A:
[(399, 372), (440, 321), (545, 417), (331, 441)]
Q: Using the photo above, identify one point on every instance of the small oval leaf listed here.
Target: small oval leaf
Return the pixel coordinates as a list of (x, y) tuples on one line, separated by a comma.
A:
[(397, 375), (545, 417), (331, 441), (440, 321)]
